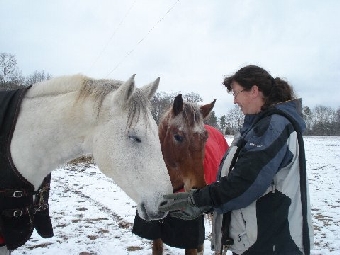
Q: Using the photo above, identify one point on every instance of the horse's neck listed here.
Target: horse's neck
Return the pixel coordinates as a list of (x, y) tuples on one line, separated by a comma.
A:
[(50, 131)]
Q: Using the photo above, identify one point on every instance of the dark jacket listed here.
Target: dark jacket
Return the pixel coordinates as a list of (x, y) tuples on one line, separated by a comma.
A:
[(261, 185)]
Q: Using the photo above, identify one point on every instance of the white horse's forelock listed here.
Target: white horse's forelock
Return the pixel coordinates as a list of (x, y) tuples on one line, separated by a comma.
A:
[(138, 107)]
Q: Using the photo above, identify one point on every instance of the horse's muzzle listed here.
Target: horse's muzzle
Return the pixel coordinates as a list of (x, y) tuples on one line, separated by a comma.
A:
[(148, 216)]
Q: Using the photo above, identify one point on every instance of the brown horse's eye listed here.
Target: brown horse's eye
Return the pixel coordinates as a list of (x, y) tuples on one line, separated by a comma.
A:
[(179, 138)]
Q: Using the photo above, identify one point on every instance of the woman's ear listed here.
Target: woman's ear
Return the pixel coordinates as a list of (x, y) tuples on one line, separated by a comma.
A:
[(255, 91)]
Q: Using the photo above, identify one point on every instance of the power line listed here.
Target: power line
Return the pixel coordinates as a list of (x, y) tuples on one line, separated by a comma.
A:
[(133, 49), (112, 35)]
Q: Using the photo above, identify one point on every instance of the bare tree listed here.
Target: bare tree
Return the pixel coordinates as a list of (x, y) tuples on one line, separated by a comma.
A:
[(323, 114), (223, 124), (160, 102), (308, 118), (211, 120), (192, 97), (324, 119), (37, 77), (9, 72), (337, 122), (234, 120)]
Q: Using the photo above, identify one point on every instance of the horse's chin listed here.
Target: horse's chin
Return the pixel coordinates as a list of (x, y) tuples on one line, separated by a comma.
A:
[(149, 216)]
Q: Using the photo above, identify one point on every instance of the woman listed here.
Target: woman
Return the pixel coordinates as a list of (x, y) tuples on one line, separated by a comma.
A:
[(263, 189)]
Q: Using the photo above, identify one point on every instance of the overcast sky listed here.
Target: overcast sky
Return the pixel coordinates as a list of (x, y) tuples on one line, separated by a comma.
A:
[(190, 44)]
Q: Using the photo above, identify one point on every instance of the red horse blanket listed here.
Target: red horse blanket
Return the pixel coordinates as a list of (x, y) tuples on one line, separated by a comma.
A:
[(186, 234), (215, 148)]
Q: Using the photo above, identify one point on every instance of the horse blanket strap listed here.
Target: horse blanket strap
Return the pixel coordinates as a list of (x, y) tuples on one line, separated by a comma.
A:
[(17, 209), (14, 193), (16, 212)]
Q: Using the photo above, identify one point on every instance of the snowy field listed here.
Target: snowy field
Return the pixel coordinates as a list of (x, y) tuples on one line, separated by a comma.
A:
[(92, 216)]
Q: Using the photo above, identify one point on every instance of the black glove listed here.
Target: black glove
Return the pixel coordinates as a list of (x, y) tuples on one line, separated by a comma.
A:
[(182, 205)]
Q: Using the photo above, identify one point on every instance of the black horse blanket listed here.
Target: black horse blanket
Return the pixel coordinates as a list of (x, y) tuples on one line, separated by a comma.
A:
[(19, 211)]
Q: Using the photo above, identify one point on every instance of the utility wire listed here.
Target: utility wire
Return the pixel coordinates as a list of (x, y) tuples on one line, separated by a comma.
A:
[(113, 34), (129, 52)]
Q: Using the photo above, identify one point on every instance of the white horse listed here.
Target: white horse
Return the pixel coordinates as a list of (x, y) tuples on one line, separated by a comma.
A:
[(67, 117)]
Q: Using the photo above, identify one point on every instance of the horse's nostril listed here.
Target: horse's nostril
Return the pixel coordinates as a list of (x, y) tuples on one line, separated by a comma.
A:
[(163, 203)]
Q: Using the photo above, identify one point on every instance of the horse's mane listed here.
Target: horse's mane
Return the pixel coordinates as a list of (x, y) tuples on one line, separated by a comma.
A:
[(66, 84), (191, 115), (99, 89), (91, 88), (139, 105)]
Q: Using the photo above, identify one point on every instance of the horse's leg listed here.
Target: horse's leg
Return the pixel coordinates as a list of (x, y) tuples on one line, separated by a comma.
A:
[(200, 249), (190, 251), (4, 251), (157, 247)]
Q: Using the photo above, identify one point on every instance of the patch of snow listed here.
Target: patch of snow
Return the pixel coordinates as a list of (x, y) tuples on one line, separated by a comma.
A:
[(91, 215)]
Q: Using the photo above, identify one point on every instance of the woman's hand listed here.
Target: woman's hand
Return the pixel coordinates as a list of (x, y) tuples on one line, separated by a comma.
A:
[(182, 205)]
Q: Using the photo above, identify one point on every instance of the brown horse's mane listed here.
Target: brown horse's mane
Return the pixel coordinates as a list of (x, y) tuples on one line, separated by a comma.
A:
[(191, 115)]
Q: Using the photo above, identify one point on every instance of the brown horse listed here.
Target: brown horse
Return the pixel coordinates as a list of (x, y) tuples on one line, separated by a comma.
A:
[(183, 138)]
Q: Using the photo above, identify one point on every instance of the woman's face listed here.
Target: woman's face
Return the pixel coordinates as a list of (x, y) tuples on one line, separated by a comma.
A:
[(250, 101)]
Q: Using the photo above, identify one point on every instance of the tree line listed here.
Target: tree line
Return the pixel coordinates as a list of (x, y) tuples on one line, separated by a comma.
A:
[(11, 76), (320, 120)]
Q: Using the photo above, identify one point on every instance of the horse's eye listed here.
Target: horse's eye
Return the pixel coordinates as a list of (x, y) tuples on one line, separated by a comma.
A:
[(135, 138), (179, 138)]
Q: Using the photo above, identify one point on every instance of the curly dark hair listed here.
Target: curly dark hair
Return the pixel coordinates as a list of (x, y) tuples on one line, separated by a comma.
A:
[(275, 90)]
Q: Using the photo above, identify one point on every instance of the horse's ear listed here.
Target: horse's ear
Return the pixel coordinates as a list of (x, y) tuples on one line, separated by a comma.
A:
[(126, 89), (150, 89), (177, 106), (206, 109)]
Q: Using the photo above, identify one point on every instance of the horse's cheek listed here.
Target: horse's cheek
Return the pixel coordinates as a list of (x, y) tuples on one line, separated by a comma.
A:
[(103, 152)]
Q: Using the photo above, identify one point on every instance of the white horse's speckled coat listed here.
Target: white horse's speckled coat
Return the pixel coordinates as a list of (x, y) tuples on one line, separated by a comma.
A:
[(66, 117)]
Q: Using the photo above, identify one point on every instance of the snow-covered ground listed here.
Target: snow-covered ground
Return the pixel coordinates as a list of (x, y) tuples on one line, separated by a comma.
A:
[(92, 216)]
